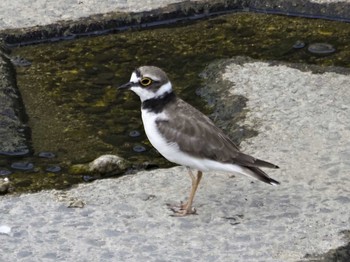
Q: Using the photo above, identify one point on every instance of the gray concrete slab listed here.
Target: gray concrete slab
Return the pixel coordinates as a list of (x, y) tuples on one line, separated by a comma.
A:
[(31, 13), (302, 119), (28, 13)]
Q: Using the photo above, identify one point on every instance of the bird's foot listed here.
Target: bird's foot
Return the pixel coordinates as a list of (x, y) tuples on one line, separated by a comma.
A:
[(182, 210)]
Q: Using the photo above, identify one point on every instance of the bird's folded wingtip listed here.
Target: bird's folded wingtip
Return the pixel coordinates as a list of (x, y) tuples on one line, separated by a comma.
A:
[(274, 182), (263, 163)]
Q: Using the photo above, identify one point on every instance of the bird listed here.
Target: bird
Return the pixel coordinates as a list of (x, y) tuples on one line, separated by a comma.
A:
[(187, 137)]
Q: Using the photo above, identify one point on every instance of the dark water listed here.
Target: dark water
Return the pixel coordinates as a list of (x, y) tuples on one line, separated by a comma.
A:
[(75, 111)]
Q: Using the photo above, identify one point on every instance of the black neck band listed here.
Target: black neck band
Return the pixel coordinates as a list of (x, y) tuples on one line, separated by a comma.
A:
[(157, 104)]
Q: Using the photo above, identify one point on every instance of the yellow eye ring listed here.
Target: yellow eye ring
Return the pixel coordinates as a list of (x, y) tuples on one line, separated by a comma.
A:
[(145, 81)]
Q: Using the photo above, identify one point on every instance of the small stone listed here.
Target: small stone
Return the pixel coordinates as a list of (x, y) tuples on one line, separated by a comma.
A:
[(5, 172), (53, 169), (76, 203), (22, 166), (88, 178), (139, 148), (4, 185), (321, 48), (17, 152), (108, 164), (134, 133), (20, 61), (46, 154), (299, 44), (5, 230)]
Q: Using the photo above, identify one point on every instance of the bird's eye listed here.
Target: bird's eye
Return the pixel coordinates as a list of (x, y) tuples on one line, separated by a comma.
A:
[(146, 81)]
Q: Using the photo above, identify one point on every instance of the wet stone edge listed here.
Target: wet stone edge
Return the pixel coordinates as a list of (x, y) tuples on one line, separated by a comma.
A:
[(184, 11), (14, 133)]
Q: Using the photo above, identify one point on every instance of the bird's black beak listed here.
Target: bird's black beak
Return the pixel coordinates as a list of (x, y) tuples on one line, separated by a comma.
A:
[(126, 85)]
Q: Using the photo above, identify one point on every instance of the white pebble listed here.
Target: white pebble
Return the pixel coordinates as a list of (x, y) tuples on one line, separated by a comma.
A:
[(6, 230)]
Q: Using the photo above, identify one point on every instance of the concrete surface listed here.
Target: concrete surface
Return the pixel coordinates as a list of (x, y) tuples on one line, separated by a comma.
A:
[(30, 13), (27, 13), (303, 125), (302, 119)]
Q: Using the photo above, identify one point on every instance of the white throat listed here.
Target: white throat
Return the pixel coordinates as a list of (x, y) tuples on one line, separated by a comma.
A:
[(146, 94)]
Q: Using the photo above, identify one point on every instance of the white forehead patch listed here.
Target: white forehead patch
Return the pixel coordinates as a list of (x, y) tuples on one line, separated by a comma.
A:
[(134, 78)]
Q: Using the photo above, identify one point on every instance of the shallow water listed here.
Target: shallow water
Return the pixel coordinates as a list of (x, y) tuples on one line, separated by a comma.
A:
[(76, 112)]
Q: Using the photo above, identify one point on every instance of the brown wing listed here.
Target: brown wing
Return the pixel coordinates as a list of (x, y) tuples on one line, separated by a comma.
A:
[(197, 135)]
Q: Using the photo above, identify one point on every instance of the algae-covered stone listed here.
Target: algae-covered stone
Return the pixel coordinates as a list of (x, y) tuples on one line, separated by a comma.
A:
[(4, 185), (103, 165), (13, 131)]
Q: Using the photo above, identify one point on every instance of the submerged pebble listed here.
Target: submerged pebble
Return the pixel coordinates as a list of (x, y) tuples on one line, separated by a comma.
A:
[(134, 133), (88, 178), (47, 154), (321, 48), (21, 151), (299, 44), (20, 61), (5, 172), (53, 169), (22, 165), (139, 148)]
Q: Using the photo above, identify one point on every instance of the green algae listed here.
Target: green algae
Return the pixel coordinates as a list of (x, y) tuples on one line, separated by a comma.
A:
[(76, 111)]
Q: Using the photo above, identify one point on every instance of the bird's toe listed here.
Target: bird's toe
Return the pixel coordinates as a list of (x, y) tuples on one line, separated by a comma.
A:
[(182, 210)]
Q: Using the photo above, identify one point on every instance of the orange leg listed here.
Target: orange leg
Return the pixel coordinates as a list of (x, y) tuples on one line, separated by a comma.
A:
[(186, 209)]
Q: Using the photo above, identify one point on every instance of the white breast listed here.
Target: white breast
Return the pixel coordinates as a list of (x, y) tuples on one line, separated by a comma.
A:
[(157, 140)]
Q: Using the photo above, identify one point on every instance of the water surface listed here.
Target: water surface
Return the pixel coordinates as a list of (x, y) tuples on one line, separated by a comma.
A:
[(76, 112)]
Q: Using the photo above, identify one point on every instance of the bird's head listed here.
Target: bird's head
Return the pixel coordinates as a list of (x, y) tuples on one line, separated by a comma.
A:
[(148, 82)]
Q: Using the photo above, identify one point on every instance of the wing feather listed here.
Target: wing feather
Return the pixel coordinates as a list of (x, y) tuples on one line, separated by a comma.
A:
[(197, 135)]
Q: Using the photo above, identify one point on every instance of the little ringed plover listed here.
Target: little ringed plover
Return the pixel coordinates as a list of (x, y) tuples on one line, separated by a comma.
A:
[(185, 136)]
